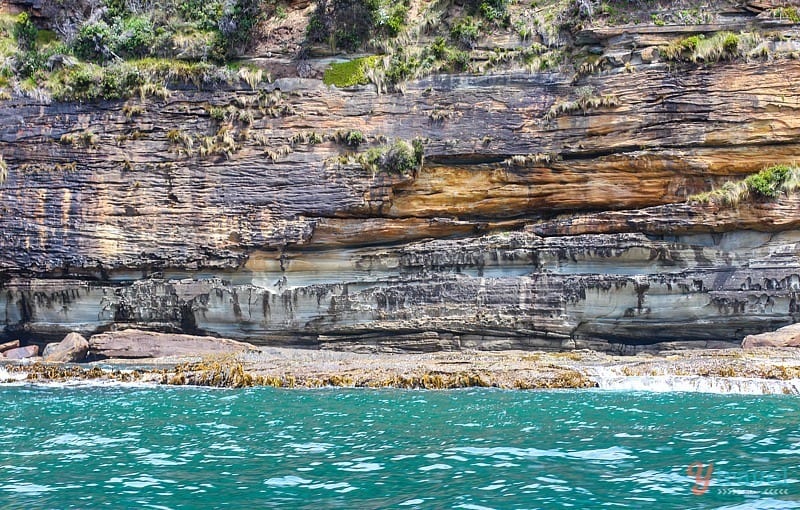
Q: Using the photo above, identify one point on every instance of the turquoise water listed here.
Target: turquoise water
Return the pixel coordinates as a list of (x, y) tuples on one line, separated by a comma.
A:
[(127, 447)]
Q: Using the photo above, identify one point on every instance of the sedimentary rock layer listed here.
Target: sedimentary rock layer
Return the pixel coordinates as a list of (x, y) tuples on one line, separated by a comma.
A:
[(109, 217)]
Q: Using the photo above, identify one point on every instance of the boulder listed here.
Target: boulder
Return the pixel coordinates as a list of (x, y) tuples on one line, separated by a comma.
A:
[(788, 336), (73, 348), (29, 351), (132, 343), (8, 346), (649, 54)]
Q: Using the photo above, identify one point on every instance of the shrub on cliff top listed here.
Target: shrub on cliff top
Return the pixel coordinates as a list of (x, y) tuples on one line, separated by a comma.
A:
[(25, 32), (349, 24)]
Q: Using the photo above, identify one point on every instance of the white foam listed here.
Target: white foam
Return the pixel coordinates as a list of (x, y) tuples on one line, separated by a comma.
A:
[(31, 489), (286, 481), (608, 379), (434, 467), (765, 504), (411, 502), (5, 376), (358, 467), (311, 447)]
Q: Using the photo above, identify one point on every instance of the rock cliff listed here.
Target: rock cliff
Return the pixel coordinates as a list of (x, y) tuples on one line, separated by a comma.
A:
[(551, 210)]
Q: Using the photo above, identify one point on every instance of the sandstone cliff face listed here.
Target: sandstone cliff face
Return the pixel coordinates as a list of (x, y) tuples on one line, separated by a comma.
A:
[(109, 217)]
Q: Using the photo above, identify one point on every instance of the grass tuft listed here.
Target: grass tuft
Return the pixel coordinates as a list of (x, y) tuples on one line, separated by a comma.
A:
[(768, 184)]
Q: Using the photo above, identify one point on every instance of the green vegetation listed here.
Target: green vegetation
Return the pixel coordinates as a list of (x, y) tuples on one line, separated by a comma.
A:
[(789, 13), (452, 29), (25, 32), (349, 138), (465, 32), (623, 12), (145, 77), (400, 158), (770, 182), (720, 46), (350, 73), (223, 143), (85, 139), (309, 137), (128, 30), (130, 49), (180, 140), (492, 10), (348, 24), (112, 54), (767, 184)]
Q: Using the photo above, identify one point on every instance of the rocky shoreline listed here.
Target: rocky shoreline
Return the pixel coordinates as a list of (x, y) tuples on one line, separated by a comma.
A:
[(766, 363), (777, 370)]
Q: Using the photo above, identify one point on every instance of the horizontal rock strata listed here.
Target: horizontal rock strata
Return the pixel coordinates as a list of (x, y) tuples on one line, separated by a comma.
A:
[(585, 239)]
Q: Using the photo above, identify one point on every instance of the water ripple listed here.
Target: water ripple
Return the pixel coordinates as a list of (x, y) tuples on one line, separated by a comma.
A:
[(473, 449)]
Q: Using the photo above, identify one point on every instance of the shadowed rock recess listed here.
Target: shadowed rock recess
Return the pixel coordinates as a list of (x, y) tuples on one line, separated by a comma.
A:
[(538, 218)]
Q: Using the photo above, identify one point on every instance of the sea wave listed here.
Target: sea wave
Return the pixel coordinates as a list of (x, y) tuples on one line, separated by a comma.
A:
[(6, 376), (607, 379)]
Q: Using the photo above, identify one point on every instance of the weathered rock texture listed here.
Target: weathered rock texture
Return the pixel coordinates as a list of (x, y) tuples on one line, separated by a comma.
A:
[(74, 348), (788, 336), (29, 351), (131, 343), (590, 243), (7, 346)]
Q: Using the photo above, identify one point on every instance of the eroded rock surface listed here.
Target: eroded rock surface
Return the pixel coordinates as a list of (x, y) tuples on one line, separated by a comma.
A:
[(586, 239), (28, 351), (131, 343), (73, 348), (788, 336)]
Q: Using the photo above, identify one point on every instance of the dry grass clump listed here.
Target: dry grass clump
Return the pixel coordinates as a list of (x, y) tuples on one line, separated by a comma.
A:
[(530, 160), (720, 46), (3, 169), (587, 100)]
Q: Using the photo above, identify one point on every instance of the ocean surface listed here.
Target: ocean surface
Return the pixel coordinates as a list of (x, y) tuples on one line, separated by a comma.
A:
[(145, 447)]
